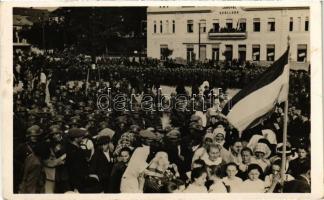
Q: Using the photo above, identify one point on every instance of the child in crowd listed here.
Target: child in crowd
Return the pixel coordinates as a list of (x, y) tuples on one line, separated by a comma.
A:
[(198, 180), (254, 184), (231, 180)]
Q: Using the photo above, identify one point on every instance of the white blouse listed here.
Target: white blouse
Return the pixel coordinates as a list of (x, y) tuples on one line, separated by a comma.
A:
[(257, 186), (192, 188)]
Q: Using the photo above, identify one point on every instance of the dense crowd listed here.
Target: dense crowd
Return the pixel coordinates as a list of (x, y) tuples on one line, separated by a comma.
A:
[(65, 140)]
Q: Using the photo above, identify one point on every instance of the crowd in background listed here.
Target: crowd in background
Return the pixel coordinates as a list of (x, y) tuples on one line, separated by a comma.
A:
[(65, 142)]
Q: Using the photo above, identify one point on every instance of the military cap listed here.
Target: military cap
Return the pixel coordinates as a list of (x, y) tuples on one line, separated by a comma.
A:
[(81, 104), (59, 118), (173, 134), (78, 112), (103, 124), (148, 134), (34, 130), (74, 120), (91, 117), (87, 109), (55, 129), (121, 119)]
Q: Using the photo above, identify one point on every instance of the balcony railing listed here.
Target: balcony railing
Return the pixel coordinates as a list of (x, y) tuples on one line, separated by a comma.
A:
[(225, 33)]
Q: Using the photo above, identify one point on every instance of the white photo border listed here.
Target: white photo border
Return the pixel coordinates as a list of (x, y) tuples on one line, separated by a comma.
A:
[(6, 102)]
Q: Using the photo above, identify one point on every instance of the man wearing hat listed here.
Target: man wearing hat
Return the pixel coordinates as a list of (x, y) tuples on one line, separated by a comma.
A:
[(91, 124), (75, 122), (191, 143), (76, 160), (59, 120), (57, 161), (102, 162), (34, 135), (33, 177)]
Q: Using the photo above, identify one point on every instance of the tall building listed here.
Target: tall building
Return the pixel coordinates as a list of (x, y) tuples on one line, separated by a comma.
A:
[(257, 34)]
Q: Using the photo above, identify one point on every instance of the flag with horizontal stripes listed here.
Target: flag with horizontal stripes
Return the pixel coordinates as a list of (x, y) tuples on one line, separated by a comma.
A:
[(256, 101)]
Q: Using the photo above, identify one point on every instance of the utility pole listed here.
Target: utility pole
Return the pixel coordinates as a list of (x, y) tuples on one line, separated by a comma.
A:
[(199, 41)]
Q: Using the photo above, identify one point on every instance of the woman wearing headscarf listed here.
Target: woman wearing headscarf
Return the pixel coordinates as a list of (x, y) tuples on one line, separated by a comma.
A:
[(207, 141), (262, 152)]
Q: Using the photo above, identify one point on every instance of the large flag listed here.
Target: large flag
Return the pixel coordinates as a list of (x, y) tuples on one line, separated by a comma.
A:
[(254, 102)]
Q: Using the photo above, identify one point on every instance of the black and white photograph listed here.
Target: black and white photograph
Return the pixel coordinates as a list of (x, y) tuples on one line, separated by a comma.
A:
[(163, 99)]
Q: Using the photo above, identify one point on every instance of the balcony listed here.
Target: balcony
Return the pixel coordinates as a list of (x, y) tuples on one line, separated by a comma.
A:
[(227, 34)]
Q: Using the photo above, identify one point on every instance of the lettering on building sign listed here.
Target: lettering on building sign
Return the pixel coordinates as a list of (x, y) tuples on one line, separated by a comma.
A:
[(229, 10)]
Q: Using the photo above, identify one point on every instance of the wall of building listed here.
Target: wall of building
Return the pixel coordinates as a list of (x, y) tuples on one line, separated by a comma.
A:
[(179, 40)]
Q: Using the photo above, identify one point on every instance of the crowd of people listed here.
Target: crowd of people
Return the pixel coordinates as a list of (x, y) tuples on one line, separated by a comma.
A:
[(64, 141)]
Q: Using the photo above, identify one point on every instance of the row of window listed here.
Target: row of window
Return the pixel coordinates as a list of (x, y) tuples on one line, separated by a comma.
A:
[(240, 26), (166, 26), (228, 53)]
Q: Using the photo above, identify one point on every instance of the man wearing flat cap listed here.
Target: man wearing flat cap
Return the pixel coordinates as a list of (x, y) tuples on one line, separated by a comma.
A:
[(76, 163), (35, 151)]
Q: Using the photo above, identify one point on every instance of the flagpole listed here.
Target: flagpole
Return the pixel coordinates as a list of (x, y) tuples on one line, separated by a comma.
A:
[(284, 148)]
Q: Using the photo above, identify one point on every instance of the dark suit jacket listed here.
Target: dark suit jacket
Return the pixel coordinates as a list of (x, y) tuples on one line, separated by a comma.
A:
[(100, 166), (299, 185), (33, 180), (78, 168), (116, 176)]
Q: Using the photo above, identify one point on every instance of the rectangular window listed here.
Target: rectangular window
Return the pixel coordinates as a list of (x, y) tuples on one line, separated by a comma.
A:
[(229, 24), (161, 27), (242, 25), (173, 26), (190, 26), (256, 52), (301, 53), (228, 52), (167, 26), (271, 25), (154, 27), (215, 53), (190, 53), (270, 52), (291, 24), (306, 24), (202, 26), (216, 26), (163, 47), (241, 53), (256, 25)]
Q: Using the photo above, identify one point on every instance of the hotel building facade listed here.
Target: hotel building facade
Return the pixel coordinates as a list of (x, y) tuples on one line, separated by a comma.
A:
[(256, 34)]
